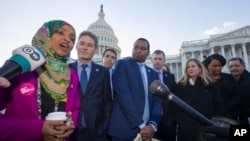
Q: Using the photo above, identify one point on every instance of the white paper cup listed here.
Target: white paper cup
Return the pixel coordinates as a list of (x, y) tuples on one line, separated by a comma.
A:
[(56, 116)]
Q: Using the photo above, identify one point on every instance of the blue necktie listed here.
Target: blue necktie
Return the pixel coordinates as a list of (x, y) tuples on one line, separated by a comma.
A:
[(111, 84), (84, 78), (83, 82), (146, 108)]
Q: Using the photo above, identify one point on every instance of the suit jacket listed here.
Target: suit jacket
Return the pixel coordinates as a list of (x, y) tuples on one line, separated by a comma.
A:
[(169, 80), (129, 99), (96, 103)]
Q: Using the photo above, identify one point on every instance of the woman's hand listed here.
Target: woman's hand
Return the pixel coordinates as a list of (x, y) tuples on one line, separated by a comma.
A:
[(4, 82), (68, 128), (58, 130)]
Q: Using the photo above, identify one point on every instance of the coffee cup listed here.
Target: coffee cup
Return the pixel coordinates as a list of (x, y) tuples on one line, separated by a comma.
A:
[(56, 116)]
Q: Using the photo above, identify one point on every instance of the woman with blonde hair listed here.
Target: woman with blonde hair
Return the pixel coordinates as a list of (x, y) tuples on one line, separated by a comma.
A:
[(197, 89), (199, 70)]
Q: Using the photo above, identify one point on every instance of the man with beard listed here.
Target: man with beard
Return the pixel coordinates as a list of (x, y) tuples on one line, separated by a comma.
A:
[(236, 67)]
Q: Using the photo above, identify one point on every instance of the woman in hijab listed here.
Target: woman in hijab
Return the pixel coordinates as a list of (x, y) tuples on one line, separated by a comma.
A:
[(52, 87), (227, 84)]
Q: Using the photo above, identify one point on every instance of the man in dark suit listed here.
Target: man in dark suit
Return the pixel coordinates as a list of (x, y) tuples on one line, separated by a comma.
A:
[(109, 58), (167, 127), (238, 70), (95, 90), (135, 108)]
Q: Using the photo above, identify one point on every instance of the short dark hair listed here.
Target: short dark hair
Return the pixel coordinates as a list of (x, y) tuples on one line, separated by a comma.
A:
[(237, 59), (109, 49), (91, 35), (145, 40), (159, 52), (218, 57)]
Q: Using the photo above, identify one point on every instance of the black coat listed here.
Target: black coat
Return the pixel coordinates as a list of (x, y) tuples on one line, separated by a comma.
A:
[(230, 92), (167, 126), (244, 84), (169, 80), (205, 99)]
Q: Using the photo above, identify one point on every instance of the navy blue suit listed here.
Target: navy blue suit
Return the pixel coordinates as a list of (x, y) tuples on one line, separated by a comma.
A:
[(96, 103), (129, 99), (167, 127), (169, 80)]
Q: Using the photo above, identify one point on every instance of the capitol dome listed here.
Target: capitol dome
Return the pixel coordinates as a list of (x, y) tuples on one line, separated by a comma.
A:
[(106, 37)]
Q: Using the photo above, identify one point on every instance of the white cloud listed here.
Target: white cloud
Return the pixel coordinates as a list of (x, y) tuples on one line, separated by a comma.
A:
[(229, 24), (226, 27), (212, 31)]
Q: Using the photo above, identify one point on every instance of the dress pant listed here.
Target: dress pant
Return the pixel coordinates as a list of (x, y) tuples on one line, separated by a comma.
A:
[(118, 139), (83, 134), (166, 130)]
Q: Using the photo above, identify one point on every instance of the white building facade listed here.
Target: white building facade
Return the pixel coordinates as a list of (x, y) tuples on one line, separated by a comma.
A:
[(232, 44)]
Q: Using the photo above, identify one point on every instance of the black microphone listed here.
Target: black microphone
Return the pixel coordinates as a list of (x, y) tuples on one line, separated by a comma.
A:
[(161, 90), (25, 58)]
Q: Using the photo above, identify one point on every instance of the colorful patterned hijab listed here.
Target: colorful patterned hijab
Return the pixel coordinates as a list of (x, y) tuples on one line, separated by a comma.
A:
[(55, 74)]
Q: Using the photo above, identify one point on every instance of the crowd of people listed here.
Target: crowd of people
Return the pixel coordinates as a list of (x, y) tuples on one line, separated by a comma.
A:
[(112, 101)]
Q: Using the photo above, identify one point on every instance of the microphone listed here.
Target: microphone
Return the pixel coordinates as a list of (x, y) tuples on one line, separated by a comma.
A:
[(25, 58), (161, 90)]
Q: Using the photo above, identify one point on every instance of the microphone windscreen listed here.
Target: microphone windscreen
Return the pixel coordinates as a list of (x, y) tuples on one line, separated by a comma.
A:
[(154, 85), (162, 91), (159, 89), (28, 57)]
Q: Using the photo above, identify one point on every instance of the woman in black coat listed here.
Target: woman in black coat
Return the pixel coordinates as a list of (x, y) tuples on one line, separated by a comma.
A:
[(197, 89), (227, 84)]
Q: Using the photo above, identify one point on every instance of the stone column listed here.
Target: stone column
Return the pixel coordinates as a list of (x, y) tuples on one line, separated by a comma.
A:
[(99, 50), (183, 61), (192, 56), (233, 50), (222, 51), (245, 55), (177, 70), (201, 55), (171, 67), (212, 51)]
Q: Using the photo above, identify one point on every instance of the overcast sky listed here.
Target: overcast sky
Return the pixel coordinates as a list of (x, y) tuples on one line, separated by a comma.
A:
[(165, 23)]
